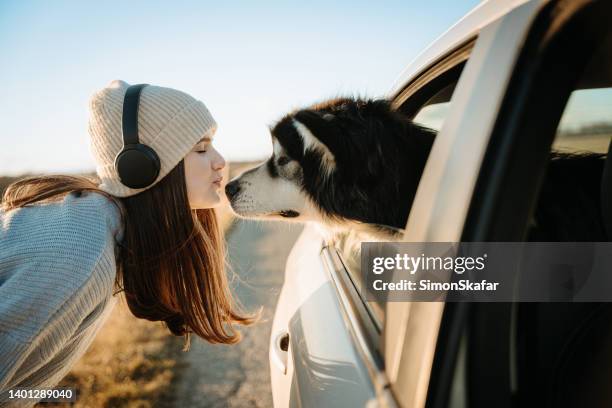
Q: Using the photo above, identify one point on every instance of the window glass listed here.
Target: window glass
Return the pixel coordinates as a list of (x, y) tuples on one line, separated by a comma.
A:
[(433, 113), (586, 124), (432, 116)]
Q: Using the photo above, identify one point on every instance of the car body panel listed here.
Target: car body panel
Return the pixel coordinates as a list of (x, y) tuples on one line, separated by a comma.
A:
[(323, 366), (327, 363)]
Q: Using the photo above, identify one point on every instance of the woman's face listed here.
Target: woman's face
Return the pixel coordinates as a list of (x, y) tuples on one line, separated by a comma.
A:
[(203, 175)]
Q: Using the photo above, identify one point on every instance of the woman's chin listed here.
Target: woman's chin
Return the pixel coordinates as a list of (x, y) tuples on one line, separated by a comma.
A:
[(215, 198), (219, 203)]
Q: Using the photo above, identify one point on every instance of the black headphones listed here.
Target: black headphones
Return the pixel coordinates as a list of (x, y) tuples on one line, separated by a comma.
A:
[(137, 164)]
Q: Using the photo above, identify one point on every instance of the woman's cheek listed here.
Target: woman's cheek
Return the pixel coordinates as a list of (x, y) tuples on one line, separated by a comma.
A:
[(204, 165)]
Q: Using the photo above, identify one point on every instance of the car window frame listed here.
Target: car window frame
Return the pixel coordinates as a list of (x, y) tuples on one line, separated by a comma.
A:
[(414, 96)]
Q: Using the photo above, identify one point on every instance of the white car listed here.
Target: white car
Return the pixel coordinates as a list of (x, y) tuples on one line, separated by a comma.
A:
[(503, 85)]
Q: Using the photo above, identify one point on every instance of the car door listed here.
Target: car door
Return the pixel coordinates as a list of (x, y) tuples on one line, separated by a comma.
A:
[(533, 354), (543, 354)]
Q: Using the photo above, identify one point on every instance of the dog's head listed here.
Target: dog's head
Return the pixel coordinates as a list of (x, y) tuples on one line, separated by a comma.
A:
[(336, 162)]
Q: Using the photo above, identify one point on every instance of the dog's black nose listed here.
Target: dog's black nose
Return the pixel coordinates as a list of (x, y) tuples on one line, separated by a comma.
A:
[(231, 189)]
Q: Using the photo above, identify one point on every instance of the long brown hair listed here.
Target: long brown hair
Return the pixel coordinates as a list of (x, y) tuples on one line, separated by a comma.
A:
[(171, 263)]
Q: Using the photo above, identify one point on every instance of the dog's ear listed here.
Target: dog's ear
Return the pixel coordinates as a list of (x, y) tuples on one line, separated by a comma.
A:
[(318, 134), (320, 125)]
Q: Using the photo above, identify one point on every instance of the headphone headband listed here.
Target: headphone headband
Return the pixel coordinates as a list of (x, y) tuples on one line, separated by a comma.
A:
[(136, 164), (131, 102)]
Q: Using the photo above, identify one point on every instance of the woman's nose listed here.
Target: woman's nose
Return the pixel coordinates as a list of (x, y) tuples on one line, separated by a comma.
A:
[(219, 162)]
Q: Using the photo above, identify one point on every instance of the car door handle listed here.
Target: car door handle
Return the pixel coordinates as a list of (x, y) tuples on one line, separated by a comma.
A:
[(280, 351)]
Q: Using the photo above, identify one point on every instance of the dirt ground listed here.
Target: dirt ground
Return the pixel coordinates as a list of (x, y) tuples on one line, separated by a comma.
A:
[(238, 375)]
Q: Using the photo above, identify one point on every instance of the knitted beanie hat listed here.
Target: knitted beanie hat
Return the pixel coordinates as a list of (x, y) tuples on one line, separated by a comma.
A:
[(169, 121)]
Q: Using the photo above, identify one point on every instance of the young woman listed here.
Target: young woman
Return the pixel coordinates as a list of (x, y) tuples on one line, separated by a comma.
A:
[(69, 245)]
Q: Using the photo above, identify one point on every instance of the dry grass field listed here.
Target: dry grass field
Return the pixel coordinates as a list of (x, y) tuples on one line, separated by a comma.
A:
[(131, 363)]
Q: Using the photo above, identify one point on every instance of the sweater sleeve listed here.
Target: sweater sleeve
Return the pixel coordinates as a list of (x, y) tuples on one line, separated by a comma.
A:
[(61, 268)]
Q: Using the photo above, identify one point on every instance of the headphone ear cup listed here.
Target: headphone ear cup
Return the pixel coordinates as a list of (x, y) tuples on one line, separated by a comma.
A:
[(137, 166)]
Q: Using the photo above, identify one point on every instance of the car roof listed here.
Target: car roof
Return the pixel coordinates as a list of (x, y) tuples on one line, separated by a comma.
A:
[(463, 30)]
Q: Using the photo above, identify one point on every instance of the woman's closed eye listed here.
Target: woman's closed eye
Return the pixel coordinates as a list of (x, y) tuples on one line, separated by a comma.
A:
[(203, 149)]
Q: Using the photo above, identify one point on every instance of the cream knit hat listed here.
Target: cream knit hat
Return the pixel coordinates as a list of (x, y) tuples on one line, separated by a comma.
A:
[(169, 121)]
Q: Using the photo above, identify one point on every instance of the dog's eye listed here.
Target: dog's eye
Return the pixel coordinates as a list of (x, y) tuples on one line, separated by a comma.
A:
[(283, 160)]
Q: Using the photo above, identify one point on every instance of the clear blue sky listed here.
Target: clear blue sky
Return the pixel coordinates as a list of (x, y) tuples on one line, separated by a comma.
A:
[(250, 62)]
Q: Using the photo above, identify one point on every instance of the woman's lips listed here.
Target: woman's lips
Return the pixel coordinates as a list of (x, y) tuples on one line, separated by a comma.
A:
[(218, 182)]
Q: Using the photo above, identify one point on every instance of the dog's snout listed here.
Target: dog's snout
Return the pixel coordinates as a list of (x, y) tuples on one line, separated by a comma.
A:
[(232, 188)]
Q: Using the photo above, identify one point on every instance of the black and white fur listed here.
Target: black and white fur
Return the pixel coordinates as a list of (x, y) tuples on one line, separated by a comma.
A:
[(342, 163)]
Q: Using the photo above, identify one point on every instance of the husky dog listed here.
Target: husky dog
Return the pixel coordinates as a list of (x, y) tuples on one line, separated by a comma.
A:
[(351, 164), (344, 163)]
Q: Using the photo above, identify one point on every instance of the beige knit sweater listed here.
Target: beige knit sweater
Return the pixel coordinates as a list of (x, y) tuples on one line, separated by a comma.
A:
[(57, 270)]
